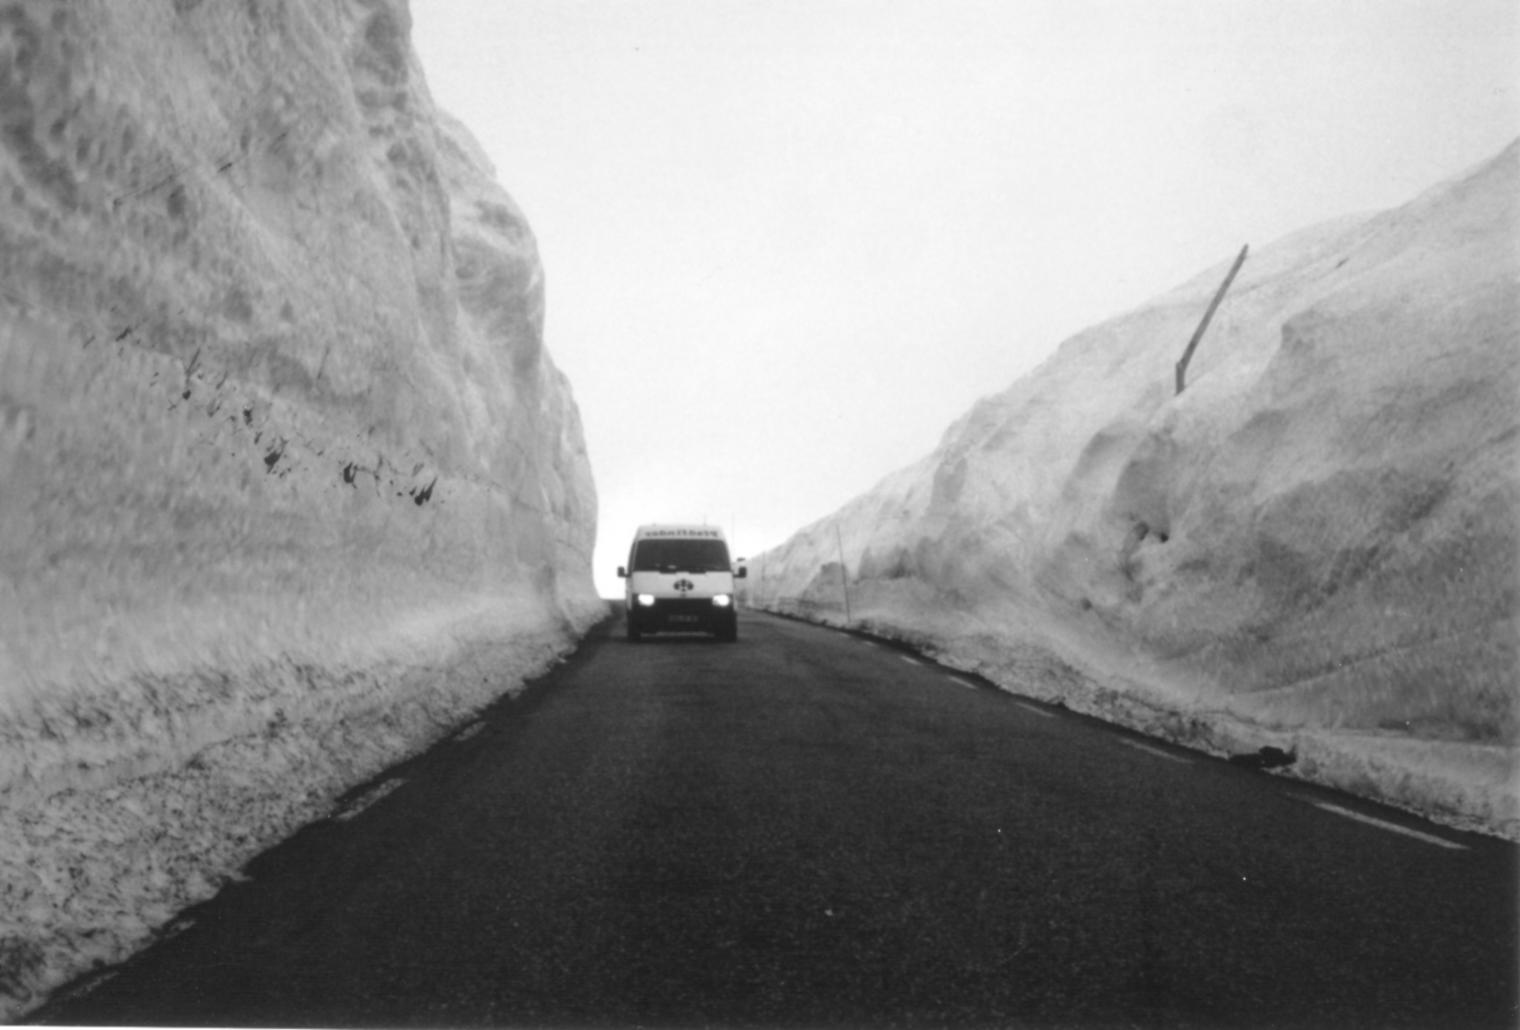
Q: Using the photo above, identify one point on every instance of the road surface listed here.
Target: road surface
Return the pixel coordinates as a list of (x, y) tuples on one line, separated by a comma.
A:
[(807, 828)]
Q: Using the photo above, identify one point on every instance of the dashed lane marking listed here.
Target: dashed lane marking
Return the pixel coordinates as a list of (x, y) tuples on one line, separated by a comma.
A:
[(469, 731), (1036, 711), (1138, 746), (176, 928), (910, 659), (1393, 827), (965, 683), (86, 987), (367, 799)]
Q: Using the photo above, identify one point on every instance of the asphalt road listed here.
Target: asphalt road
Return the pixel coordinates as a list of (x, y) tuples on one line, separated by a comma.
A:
[(806, 828)]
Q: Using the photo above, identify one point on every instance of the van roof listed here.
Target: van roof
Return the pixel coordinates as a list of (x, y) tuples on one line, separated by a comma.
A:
[(658, 529)]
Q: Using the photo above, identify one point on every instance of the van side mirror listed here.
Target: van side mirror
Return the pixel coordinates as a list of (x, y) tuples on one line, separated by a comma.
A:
[(743, 571), (622, 572)]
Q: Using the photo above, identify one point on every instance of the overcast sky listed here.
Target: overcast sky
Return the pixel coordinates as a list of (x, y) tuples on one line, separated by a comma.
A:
[(787, 243)]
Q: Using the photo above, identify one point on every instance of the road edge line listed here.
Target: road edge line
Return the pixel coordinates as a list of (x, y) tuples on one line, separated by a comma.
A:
[(1428, 838)]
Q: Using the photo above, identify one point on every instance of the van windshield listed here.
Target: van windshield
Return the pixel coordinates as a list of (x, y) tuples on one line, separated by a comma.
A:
[(680, 556)]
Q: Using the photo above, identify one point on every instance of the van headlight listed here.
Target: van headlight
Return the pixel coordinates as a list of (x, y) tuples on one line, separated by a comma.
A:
[(722, 600), (646, 600)]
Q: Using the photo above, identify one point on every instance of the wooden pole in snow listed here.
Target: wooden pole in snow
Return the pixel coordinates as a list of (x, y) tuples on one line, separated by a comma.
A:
[(844, 573), (1187, 355)]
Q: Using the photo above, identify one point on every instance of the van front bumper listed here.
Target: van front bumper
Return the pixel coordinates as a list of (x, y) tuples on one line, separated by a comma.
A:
[(674, 615)]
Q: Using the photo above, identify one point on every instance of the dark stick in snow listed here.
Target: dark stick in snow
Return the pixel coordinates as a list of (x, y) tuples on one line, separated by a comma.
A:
[(1208, 316)]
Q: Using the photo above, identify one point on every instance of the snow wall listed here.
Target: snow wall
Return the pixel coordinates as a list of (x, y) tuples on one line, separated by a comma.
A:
[(1312, 547), (288, 485)]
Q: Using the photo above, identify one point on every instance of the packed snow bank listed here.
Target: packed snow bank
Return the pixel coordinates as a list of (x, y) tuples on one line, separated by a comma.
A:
[(288, 485), (1312, 547)]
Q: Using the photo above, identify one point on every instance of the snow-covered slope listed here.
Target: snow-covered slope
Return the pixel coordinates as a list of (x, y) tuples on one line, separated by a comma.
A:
[(1313, 546), (288, 486)]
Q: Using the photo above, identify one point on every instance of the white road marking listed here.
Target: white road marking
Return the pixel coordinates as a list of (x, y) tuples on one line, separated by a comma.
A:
[(469, 731), (1394, 827), (910, 659), (1155, 751), (868, 643), (364, 801), (1036, 711), (176, 928), (965, 683), (88, 987)]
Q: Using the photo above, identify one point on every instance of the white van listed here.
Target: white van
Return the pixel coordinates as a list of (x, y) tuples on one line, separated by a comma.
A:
[(679, 578)]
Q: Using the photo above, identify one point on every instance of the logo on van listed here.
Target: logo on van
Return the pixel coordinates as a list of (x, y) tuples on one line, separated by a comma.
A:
[(684, 585)]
